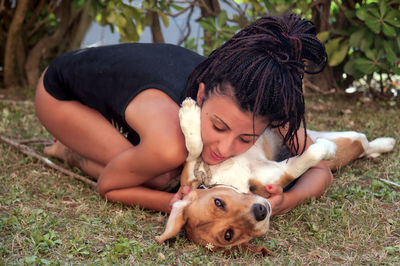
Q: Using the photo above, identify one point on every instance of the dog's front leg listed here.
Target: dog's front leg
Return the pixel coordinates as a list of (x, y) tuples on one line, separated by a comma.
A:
[(322, 149), (189, 117)]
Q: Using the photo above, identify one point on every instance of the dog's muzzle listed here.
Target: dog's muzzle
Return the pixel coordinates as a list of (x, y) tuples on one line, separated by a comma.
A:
[(262, 211), (259, 211)]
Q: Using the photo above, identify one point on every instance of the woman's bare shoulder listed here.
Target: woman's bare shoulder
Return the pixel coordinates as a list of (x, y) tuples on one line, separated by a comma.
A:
[(154, 116)]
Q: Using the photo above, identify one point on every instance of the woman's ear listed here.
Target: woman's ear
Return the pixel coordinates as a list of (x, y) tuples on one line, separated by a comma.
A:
[(200, 93)]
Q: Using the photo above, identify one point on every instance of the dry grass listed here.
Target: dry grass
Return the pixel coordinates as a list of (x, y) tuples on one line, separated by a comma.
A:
[(48, 218)]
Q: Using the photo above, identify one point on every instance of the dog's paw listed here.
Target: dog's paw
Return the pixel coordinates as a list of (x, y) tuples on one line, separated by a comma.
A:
[(189, 113), (189, 117), (379, 146), (189, 103), (325, 149), (189, 108)]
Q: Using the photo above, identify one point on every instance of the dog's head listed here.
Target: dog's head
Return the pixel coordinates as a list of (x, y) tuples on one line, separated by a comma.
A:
[(219, 217)]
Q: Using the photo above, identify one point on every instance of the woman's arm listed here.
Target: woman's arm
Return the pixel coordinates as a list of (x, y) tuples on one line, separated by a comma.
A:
[(154, 116), (123, 179), (312, 184)]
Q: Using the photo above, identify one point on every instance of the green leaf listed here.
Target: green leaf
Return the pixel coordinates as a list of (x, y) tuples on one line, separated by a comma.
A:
[(148, 20), (176, 7), (350, 14), (120, 20), (111, 18), (356, 37), (78, 3), (349, 68), (339, 55), (205, 24), (390, 54), (373, 10), (221, 19), (130, 32), (362, 13), (371, 54), (374, 24), (332, 46), (398, 42), (382, 8), (365, 65), (132, 12), (393, 18), (323, 36), (164, 18), (367, 40), (388, 30)]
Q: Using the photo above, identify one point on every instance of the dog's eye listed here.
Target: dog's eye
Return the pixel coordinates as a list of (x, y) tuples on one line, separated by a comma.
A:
[(219, 203), (228, 235)]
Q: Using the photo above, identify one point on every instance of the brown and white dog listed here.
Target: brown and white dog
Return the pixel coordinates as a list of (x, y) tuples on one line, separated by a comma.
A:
[(233, 208)]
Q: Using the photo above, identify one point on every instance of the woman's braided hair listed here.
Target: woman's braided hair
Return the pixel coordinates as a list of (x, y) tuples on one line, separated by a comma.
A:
[(263, 67)]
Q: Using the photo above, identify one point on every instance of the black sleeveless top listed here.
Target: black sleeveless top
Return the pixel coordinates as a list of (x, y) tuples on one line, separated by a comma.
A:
[(107, 78)]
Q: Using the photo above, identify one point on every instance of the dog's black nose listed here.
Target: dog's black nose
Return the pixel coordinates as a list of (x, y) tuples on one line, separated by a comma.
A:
[(260, 212)]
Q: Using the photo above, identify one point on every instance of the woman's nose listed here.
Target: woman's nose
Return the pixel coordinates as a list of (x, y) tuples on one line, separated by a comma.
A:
[(225, 147)]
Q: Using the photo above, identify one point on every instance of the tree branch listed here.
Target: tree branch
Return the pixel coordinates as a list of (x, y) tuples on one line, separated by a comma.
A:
[(28, 151), (188, 26), (38, 25)]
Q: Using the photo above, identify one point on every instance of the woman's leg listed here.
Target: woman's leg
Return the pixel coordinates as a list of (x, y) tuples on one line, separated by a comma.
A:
[(80, 128), (74, 159), (84, 135)]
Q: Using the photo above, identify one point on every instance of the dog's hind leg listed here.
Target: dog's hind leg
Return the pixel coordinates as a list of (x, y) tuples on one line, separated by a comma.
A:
[(322, 149), (379, 146), (353, 145)]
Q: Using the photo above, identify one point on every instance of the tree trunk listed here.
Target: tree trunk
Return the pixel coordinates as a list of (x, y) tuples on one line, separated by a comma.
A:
[(47, 43), (325, 80), (81, 26), (21, 57), (13, 35), (156, 31)]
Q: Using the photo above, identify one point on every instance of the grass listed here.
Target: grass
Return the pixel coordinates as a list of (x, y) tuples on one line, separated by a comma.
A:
[(49, 218)]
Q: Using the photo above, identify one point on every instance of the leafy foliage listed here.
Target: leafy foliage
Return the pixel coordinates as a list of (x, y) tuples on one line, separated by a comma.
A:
[(362, 36)]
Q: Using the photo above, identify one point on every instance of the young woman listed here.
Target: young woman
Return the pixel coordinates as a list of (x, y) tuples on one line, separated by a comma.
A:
[(114, 109)]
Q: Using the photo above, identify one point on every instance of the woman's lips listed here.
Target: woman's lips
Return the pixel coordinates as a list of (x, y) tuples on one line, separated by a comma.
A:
[(216, 157)]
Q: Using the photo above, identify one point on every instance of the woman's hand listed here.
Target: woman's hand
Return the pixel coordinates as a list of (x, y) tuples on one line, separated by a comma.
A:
[(312, 184), (276, 199), (183, 191)]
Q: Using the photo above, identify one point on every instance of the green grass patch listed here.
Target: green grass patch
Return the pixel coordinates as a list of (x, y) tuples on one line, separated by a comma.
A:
[(49, 218)]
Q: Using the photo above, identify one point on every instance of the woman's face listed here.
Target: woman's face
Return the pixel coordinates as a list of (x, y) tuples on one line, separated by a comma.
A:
[(226, 130)]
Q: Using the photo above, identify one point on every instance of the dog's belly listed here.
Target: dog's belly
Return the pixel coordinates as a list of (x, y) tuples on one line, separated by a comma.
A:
[(241, 170)]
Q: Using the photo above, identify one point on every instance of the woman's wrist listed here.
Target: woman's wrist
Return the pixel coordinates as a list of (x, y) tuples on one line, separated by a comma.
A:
[(312, 184), (289, 201)]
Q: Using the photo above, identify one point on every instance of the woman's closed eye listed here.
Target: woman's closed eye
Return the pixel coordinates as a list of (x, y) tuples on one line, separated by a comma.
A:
[(219, 129), (246, 140)]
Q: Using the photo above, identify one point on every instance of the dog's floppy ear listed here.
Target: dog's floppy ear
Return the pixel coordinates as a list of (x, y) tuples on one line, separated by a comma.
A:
[(175, 221)]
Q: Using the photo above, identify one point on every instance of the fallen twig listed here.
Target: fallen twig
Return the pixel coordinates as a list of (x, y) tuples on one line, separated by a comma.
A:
[(390, 182), (28, 151), (315, 88), (37, 140)]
